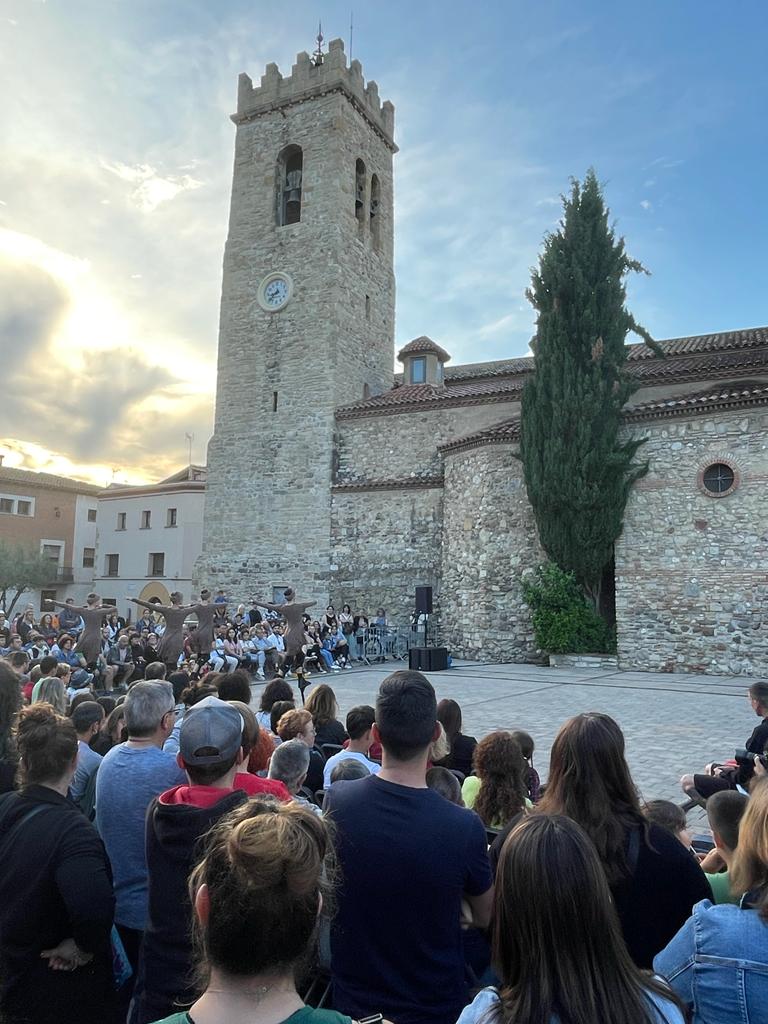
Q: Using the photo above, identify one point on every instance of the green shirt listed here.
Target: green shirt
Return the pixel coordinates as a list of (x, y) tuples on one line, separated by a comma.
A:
[(470, 790), (306, 1015), (721, 890)]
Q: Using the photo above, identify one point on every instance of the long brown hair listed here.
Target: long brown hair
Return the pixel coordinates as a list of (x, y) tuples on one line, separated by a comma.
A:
[(557, 943), (501, 767), (321, 704), (749, 872), (589, 781)]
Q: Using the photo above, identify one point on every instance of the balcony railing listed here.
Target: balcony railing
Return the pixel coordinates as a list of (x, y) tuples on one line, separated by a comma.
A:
[(62, 574)]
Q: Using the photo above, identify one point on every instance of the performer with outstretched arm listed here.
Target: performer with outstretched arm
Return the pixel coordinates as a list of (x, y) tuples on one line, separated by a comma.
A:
[(172, 641), (94, 613), (201, 638), (292, 611)]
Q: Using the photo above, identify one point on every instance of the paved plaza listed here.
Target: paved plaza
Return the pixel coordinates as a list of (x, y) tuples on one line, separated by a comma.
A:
[(672, 723)]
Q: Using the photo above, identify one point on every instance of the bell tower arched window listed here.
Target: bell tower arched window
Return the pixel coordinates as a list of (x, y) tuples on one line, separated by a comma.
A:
[(360, 191), (375, 213), (290, 167)]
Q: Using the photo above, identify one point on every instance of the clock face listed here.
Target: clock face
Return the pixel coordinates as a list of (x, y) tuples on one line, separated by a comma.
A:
[(275, 291)]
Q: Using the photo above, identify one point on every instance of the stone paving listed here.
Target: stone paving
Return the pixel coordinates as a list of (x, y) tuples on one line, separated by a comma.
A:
[(672, 723)]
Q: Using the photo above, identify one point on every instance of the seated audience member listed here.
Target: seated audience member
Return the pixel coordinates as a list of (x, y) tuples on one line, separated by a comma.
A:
[(52, 692), (129, 778), (321, 704), (252, 784), (407, 859), (655, 882), (235, 686), (718, 961), (527, 747), (218, 657), (557, 947), (155, 671), (446, 784), (112, 731), (498, 790), (279, 708), (179, 681), (210, 752), (700, 787), (298, 725), (275, 690), (348, 770), (56, 901), (359, 726), (439, 749), (10, 705), (462, 747), (289, 765), (724, 811), (87, 718), (265, 863), (120, 664), (669, 816)]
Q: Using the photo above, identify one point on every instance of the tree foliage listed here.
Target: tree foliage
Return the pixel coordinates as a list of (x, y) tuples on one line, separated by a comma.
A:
[(563, 621), (21, 569), (578, 472)]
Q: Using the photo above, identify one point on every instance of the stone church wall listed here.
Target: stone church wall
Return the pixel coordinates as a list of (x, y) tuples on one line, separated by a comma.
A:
[(489, 546), (405, 445), (692, 570), (383, 544)]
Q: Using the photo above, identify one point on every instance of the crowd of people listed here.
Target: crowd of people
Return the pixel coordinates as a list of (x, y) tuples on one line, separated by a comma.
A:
[(172, 854)]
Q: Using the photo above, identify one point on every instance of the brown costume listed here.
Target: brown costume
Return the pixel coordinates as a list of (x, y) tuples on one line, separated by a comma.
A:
[(293, 612), (201, 638), (89, 644), (172, 641)]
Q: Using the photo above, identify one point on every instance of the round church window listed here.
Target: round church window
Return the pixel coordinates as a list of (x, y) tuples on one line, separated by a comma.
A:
[(718, 479)]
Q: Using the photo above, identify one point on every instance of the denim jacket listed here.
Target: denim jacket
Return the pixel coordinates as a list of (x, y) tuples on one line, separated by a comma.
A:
[(481, 1009), (718, 964)]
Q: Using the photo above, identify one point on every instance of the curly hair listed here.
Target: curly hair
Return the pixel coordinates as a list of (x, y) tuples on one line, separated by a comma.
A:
[(501, 768)]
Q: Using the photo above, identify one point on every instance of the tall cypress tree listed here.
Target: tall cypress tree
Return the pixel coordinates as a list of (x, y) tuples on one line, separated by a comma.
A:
[(577, 471)]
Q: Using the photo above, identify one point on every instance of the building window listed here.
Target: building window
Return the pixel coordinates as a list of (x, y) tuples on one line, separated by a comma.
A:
[(170, 517), (418, 370), (51, 552), (274, 401), (156, 564), (290, 168), (121, 517), (23, 508), (6, 506), (46, 597), (360, 191), (375, 216), (89, 558), (112, 565), (91, 515), (146, 519), (11, 505), (718, 479)]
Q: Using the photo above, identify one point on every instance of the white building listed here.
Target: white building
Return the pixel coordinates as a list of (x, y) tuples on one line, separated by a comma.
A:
[(149, 538)]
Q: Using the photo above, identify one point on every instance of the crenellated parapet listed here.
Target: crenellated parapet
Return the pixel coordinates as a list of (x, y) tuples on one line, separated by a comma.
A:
[(308, 80)]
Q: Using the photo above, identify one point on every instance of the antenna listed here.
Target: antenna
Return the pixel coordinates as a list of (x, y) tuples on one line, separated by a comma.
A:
[(317, 56), (351, 32), (190, 438)]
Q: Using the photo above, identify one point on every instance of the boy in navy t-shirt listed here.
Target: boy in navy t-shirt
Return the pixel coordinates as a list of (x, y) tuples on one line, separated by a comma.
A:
[(408, 857)]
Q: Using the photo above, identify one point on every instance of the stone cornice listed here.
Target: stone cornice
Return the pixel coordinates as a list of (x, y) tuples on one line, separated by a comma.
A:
[(424, 483), (444, 401)]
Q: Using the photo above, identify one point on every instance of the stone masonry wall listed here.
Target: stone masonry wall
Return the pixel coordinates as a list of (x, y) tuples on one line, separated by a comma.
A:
[(383, 544), (397, 447), (692, 570), (489, 546)]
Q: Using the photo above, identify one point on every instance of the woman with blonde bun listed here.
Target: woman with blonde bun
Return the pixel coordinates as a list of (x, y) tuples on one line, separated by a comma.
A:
[(257, 895)]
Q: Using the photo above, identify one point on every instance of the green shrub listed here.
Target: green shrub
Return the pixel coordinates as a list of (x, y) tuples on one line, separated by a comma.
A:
[(564, 622)]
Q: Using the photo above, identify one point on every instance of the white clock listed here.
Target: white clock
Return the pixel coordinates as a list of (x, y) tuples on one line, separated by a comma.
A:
[(275, 292)]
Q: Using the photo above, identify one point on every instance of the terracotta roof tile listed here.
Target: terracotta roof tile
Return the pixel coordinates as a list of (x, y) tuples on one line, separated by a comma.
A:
[(11, 475), (739, 393), (505, 430), (423, 344)]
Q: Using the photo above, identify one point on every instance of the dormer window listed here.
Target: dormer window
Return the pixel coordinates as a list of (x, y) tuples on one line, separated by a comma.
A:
[(418, 370)]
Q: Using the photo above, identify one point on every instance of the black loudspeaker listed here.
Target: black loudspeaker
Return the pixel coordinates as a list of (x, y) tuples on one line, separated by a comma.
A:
[(423, 600), (428, 659)]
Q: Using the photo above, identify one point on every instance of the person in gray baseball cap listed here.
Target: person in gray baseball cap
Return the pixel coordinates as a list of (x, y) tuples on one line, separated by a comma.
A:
[(210, 751)]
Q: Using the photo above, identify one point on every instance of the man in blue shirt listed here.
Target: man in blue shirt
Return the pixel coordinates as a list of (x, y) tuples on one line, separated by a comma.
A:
[(408, 857)]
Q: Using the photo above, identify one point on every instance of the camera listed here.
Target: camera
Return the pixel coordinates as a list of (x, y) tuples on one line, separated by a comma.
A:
[(743, 757)]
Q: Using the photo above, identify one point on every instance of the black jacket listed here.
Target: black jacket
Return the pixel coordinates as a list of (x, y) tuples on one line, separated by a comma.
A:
[(55, 884), (173, 832)]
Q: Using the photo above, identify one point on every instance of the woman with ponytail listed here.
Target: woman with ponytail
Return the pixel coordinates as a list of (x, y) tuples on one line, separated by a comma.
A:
[(257, 896), (56, 901)]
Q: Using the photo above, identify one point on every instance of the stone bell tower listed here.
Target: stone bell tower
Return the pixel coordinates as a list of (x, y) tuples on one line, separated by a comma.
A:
[(307, 318)]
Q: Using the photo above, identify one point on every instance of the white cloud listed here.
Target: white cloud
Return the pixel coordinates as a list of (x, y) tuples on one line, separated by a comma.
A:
[(646, 204), (151, 188)]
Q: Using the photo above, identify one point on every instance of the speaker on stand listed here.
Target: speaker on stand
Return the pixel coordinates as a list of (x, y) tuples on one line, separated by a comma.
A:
[(426, 658)]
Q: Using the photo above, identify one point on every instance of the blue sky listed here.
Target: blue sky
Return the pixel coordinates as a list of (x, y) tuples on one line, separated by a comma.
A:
[(114, 186)]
